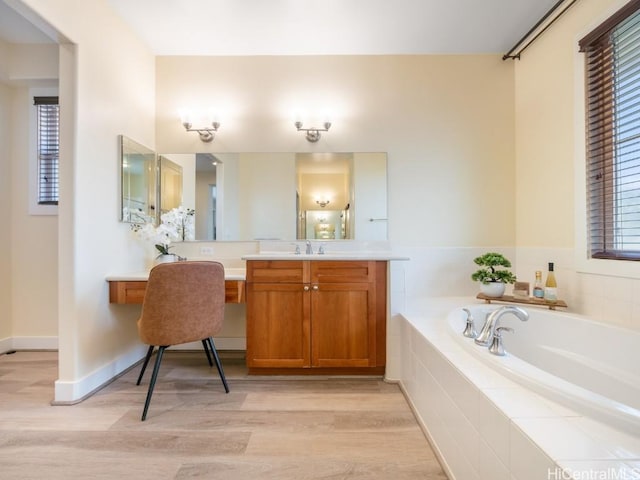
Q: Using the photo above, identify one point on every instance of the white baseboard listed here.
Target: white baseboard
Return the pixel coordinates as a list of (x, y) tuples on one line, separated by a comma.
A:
[(5, 345), (74, 391), (70, 392), (28, 343)]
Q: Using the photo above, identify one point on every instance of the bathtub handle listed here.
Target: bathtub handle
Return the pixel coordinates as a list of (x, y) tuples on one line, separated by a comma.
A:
[(496, 346), (469, 329)]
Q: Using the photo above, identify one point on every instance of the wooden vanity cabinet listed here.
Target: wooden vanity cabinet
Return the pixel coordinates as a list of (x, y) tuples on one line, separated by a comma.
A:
[(316, 317)]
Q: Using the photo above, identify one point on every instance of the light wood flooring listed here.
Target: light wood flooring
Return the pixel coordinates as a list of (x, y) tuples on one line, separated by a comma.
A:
[(265, 428)]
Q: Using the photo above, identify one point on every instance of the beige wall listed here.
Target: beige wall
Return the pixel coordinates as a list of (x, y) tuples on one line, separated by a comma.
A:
[(550, 199), (29, 280), (446, 122), (34, 240), (6, 130), (106, 89), (545, 130)]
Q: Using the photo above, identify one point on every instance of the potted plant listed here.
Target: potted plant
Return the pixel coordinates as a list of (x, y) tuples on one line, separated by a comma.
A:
[(177, 225), (492, 278)]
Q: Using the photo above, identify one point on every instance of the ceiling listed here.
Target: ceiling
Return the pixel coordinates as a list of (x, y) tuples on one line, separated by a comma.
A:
[(330, 27)]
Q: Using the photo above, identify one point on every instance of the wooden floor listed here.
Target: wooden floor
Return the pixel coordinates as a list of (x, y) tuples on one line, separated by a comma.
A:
[(265, 428)]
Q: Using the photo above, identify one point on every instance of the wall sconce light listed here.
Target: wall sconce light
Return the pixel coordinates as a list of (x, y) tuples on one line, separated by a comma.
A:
[(207, 134), (313, 134), (323, 203)]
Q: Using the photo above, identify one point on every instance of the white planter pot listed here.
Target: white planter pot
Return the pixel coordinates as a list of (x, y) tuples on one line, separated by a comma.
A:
[(493, 289), (165, 259)]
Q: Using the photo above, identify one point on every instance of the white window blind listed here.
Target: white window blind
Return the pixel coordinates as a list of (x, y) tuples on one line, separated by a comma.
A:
[(48, 140), (613, 135)]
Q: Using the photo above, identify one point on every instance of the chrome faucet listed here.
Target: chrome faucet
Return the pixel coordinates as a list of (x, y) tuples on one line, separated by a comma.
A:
[(309, 249), (496, 346), (469, 329), (485, 336)]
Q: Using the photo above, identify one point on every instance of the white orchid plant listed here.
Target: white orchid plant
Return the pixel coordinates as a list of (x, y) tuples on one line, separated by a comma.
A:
[(176, 225)]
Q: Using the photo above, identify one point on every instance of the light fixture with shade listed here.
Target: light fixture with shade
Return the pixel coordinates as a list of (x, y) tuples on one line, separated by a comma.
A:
[(323, 202)]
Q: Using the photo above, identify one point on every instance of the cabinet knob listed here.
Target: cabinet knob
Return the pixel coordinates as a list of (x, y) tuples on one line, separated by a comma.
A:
[(306, 288), (315, 287)]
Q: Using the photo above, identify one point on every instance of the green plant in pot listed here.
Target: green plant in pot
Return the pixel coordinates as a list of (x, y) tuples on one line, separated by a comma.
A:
[(491, 276)]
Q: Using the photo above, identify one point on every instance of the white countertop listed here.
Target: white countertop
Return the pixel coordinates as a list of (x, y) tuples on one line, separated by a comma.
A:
[(324, 256), (229, 274)]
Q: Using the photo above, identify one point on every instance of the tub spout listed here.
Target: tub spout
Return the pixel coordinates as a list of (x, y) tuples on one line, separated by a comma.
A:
[(488, 330)]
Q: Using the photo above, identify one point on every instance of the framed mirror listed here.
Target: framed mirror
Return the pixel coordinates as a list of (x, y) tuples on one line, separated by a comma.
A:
[(138, 182), (280, 196)]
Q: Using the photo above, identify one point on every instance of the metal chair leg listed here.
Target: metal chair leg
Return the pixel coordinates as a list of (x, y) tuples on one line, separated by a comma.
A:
[(144, 365), (152, 384), (218, 364), (206, 350)]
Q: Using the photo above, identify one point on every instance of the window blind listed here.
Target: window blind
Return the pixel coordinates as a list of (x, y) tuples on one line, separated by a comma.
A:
[(613, 135), (48, 126)]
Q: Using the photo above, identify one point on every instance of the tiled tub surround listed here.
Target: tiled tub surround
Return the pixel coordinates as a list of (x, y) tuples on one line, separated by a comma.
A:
[(486, 426)]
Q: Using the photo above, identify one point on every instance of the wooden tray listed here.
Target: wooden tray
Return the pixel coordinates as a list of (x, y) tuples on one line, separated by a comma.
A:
[(526, 301)]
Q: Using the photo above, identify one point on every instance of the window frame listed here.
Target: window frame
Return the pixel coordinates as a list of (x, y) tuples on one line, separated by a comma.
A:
[(36, 208), (584, 262)]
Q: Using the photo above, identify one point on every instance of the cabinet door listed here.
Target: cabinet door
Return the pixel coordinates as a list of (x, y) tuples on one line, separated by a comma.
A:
[(343, 332), (278, 332)]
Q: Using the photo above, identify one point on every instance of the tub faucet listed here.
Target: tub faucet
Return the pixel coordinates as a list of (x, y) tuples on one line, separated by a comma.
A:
[(496, 346), (485, 336), (309, 249), (469, 329)]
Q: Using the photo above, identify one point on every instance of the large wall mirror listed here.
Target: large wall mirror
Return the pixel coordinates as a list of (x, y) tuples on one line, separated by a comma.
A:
[(285, 196), (147, 181)]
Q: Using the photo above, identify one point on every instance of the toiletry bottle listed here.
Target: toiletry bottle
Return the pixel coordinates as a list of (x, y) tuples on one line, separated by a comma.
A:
[(538, 289), (550, 286)]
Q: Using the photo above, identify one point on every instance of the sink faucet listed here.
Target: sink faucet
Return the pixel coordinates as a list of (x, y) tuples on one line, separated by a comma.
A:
[(309, 249), (488, 330)]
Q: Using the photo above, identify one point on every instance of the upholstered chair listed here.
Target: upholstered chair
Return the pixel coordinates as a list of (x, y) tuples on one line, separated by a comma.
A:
[(183, 302)]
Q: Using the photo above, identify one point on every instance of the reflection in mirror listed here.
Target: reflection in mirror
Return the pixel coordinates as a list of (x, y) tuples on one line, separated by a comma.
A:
[(138, 186), (342, 196), (324, 195), (170, 184), (258, 196)]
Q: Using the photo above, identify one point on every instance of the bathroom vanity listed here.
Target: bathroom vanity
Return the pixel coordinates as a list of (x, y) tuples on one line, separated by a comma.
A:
[(320, 316), (317, 314)]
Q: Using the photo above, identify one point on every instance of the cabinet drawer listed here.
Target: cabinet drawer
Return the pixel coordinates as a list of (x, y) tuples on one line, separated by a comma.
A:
[(133, 291), (343, 271), (277, 271), (127, 292)]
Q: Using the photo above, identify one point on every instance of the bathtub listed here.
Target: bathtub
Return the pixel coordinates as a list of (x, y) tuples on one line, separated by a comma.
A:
[(562, 403), (593, 368)]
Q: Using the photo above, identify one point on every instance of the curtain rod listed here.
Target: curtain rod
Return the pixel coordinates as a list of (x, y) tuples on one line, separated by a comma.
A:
[(511, 55)]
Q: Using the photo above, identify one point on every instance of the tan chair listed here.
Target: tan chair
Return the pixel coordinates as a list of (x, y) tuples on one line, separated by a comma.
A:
[(183, 302)]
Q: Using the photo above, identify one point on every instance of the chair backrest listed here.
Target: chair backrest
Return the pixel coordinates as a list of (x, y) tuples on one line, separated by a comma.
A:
[(183, 302)]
